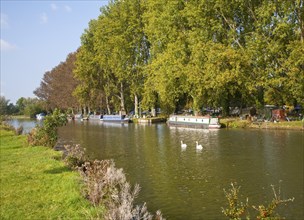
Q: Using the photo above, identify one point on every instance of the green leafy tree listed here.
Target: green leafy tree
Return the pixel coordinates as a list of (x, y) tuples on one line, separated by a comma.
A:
[(90, 91), (20, 104), (277, 25), (34, 106), (3, 105), (167, 31), (7, 108), (294, 68), (112, 56)]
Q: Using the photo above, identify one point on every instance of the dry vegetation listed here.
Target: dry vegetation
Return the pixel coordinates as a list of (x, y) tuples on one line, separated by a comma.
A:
[(105, 185)]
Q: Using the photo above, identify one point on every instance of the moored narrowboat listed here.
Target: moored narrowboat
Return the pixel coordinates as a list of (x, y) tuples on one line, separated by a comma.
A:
[(40, 116), (204, 122), (115, 118)]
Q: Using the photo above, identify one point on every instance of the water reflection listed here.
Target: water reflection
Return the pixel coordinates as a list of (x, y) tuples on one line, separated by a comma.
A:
[(27, 124)]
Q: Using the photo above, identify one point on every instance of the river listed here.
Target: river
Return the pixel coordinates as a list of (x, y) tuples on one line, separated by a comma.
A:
[(187, 183)]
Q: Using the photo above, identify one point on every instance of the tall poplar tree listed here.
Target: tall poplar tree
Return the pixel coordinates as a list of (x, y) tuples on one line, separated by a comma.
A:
[(114, 52), (89, 92), (166, 30)]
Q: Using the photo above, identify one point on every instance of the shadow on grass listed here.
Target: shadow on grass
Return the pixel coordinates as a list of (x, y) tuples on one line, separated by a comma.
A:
[(58, 158), (58, 170)]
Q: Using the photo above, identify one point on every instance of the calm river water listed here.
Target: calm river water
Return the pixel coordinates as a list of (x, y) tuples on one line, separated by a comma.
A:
[(188, 184)]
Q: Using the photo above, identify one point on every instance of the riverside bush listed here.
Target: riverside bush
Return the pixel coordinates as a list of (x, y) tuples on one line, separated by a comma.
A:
[(106, 185), (268, 212), (101, 180), (237, 209), (19, 130), (75, 156), (46, 134), (5, 126)]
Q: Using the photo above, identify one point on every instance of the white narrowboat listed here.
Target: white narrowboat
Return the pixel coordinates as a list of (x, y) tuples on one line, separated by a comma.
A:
[(78, 116), (40, 116), (205, 122), (95, 117)]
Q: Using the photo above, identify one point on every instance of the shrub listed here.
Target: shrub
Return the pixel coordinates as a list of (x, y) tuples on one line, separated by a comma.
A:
[(37, 137), (19, 130), (100, 180), (236, 209), (268, 212), (6, 126), (106, 185), (75, 156), (46, 134)]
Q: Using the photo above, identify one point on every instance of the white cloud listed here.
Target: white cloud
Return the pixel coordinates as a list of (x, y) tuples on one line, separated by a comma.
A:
[(6, 46), (43, 18), (68, 8), (54, 7), (4, 21)]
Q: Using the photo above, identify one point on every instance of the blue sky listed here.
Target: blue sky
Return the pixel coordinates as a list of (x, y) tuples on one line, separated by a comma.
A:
[(36, 36)]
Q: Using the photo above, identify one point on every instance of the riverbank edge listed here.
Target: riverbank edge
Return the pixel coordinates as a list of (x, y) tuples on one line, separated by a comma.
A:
[(36, 184), (231, 123), (238, 123), (21, 117)]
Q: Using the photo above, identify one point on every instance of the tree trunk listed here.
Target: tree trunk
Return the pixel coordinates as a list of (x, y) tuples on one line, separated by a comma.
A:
[(225, 105), (122, 100), (136, 105), (108, 105), (84, 110)]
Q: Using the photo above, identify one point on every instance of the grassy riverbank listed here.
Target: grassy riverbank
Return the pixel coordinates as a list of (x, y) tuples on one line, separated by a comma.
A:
[(237, 123), (35, 183), (20, 117)]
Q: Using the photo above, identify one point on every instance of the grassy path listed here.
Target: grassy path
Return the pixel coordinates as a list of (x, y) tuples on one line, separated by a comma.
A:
[(35, 183)]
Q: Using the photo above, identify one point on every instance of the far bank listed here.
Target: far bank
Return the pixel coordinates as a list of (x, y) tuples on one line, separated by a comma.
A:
[(238, 123)]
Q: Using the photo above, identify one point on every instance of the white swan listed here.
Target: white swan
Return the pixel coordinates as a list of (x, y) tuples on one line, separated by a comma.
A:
[(199, 146), (183, 145)]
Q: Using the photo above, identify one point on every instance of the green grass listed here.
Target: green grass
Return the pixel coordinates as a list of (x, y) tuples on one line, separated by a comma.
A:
[(20, 116), (35, 183), (234, 123), (237, 123)]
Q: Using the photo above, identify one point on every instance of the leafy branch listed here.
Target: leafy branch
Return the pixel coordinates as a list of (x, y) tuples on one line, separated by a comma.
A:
[(237, 209)]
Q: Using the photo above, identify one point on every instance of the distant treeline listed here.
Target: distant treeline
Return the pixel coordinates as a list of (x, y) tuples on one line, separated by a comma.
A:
[(184, 54), (24, 106)]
